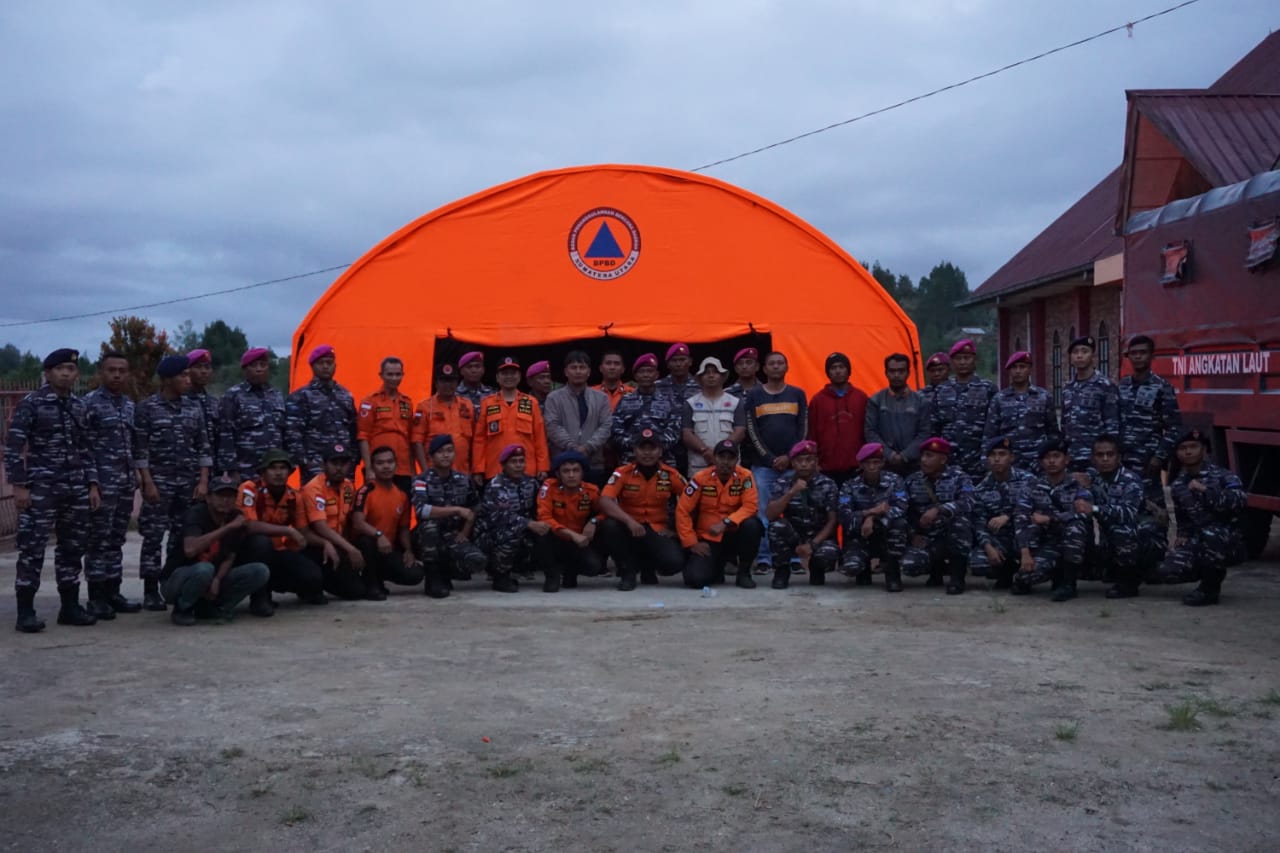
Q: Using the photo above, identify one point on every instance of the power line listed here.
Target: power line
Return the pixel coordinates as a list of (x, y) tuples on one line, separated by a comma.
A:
[(1127, 26), (174, 301)]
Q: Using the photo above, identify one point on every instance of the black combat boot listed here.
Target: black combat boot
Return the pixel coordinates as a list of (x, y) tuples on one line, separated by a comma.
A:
[(184, 618), (781, 576), (551, 580), (260, 603), (817, 577), (1004, 577), (503, 582), (1064, 591), (744, 580), (435, 587), (71, 613), (956, 586), (1205, 594), (99, 604), (648, 577), (627, 579), (892, 576), (862, 578), (569, 580), (28, 622), (118, 602), (935, 579), (1123, 590), (151, 597)]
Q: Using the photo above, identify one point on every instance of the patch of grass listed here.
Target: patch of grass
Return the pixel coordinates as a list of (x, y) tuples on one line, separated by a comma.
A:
[(1264, 714), (1183, 717), (260, 791), (1214, 708), (231, 753), (590, 764), (671, 756), (1104, 613), (998, 606), (734, 790), (1061, 685), (1066, 731), (1156, 685), (1215, 786), (506, 771), (294, 815), (1272, 698)]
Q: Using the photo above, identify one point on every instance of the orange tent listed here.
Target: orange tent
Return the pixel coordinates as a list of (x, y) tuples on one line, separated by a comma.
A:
[(630, 257)]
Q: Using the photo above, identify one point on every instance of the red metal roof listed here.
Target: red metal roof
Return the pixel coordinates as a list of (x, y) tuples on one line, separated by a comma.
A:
[(1086, 231)]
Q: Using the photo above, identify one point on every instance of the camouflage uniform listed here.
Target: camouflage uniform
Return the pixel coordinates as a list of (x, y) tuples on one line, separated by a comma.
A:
[(1059, 546), (960, 416), (250, 422), (658, 411), (1129, 545), (173, 444), (506, 509), (1027, 419), (317, 416), (993, 498), (684, 391), (111, 435), (58, 469), (889, 538), (950, 537), (1209, 524), (1090, 408), (209, 408), (475, 395), (1149, 425), (436, 539), (804, 516)]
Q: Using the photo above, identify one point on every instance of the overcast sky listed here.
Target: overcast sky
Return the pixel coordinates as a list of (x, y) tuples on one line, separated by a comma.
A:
[(150, 152)]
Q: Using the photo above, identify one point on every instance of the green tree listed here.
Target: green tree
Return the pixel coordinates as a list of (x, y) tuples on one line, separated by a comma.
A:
[(138, 341), (185, 337)]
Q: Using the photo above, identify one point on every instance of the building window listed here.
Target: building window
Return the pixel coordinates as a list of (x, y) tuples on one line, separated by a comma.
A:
[(1057, 370), (1104, 350), (1071, 370)]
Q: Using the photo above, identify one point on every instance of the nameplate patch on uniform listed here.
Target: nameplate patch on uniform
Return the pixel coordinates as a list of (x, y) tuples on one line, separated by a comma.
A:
[(631, 487), (710, 490), (382, 409), (735, 490), (492, 410), (525, 407)]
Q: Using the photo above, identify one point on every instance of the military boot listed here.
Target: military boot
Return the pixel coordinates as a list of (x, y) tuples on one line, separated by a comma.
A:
[(627, 579), (71, 613), (781, 576), (1204, 595), (551, 580), (745, 581), (956, 586), (99, 604), (503, 582), (817, 577), (435, 587), (892, 576), (862, 578), (1064, 591), (118, 602), (151, 597), (260, 603), (28, 622)]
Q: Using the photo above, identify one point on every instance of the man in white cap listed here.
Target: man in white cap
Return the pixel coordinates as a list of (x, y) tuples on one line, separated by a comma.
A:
[(711, 416)]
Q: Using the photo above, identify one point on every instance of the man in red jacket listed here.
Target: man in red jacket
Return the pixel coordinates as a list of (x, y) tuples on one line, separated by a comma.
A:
[(836, 415)]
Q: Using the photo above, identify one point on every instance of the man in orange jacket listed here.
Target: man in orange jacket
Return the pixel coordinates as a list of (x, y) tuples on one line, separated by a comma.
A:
[(716, 518), (445, 412), (571, 507), (385, 417), (508, 417)]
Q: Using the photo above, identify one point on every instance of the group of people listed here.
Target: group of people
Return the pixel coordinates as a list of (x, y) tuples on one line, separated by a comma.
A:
[(662, 476)]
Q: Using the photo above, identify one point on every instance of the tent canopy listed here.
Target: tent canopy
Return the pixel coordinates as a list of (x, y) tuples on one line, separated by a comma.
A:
[(630, 257)]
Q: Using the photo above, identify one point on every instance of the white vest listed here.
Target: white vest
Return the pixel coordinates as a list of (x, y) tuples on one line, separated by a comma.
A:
[(712, 423)]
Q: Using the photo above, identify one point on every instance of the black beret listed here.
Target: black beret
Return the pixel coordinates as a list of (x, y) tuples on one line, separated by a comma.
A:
[(1000, 442), (1084, 341), (438, 442), (1194, 435), (838, 358), (171, 365), (1049, 445), (568, 456), (60, 356)]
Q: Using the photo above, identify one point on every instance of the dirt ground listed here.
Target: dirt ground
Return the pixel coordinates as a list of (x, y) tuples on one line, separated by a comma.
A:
[(815, 719)]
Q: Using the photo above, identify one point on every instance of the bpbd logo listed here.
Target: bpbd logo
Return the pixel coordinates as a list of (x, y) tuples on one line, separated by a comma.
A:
[(604, 243)]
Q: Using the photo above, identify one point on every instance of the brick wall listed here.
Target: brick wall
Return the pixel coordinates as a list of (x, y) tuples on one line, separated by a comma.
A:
[(1104, 316)]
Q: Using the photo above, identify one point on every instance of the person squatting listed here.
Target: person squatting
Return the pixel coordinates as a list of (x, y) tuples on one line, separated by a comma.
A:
[(674, 476)]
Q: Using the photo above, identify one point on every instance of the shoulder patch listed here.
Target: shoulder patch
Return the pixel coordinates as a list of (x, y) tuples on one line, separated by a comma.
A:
[(320, 504), (746, 483), (691, 489), (542, 493), (613, 478)]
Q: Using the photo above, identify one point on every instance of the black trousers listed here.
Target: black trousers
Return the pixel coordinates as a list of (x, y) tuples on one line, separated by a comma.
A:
[(651, 553), (342, 580), (742, 542), (384, 568), (561, 557), (291, 571)]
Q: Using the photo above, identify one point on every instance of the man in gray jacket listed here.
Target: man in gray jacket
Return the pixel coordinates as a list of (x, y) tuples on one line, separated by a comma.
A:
[(578, 418), (898, 418)]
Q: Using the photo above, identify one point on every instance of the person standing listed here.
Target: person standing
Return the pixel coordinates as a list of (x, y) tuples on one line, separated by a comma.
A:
[(319, 415), (1207, 502), (647, 407), (777, 419), (200, 364), (611, 385), (939, 517), (937, 370), (718, 519), (386, 419), (471, 368), (711, 416), (995, 506), (111, 435), (538, 377), (379, 523), (802, 518), (173, 458), (959, 410), (678, 383), (898, 418), (507, 417), (873, 516), (1022, 413), (746, 369), (578, 419), (1150, 422), (837, 418), (251, 417), (636, 504), (445, 503), (1090, 405), (444, 413), (49, 461)]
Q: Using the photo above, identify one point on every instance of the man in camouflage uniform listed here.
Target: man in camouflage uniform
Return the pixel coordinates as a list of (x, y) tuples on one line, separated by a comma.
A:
[(445, 501), (939, 515), (937, 370), (111, 436), (1115, 505), (1023, 413), (873, 514), (959, 408), (647, 407), (251, 418), (1090, 405), (471, 367), (1149, 421), (1207, 502), (201, 372), (1051, 529), (55, 487), (995, 500), (679, 382), (318, 415), (507, 520), (173, 458), (802, 518)]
